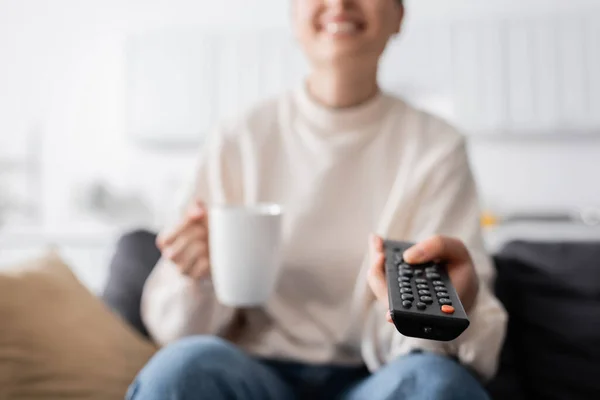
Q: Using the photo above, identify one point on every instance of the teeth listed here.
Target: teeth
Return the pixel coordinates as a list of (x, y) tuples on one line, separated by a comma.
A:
[(341, 27)]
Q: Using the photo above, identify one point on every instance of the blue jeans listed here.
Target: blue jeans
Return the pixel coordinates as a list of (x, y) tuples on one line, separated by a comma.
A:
[(205, 367)]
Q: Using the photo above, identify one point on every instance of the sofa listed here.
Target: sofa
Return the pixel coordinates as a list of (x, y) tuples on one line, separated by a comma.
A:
[(552, 348), (552, 293)]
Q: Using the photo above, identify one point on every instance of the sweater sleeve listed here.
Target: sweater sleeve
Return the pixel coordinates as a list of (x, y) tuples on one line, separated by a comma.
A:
[(173, 305), (448, 205)]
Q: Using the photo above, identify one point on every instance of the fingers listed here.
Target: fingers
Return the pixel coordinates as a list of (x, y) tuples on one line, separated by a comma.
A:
[(175, 251), (196, 211), (201, 268), (192, 259), (192, 235), (189, 251), (376, 276), (167, 238), (377, 279), (195, 214), (376, 244), (190, 256), (437, 248), (451, 251), (187, 244)]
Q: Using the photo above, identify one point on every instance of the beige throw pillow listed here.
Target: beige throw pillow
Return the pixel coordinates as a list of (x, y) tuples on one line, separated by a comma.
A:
[(58, 341)]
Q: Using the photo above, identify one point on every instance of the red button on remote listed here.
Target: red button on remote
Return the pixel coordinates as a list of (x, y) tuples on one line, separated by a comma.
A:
[(446, 309)]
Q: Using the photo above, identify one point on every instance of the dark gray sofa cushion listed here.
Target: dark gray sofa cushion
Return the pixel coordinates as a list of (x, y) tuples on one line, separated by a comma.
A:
[(552, 294), (135, 257)]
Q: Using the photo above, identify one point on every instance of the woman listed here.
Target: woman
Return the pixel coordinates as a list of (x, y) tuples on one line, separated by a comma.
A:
[(345, 160)]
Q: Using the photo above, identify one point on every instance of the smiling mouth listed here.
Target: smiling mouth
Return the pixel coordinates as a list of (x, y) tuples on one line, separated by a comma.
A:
[(342, 28)]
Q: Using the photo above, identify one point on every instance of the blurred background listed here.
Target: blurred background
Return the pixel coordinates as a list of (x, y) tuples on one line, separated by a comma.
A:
[(104, 105)]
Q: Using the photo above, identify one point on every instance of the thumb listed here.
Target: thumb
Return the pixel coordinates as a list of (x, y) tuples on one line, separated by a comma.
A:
[(197, 210), (437, 248), (375, 245)]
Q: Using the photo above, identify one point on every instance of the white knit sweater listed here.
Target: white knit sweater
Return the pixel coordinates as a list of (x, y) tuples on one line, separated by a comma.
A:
[(380, 167)]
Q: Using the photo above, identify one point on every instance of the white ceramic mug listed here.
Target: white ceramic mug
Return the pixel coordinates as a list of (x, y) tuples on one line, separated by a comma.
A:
[(245, 252)]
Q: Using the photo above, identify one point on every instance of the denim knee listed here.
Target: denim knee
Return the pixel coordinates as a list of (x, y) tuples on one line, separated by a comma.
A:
[(432, 376), (420, 376), (196, 367)]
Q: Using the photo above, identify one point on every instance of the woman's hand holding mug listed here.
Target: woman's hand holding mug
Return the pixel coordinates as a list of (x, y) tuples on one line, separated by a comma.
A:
[(186, 245)]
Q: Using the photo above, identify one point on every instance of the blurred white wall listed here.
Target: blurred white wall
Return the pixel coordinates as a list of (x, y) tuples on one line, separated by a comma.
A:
[(62, 72), (63, 76)]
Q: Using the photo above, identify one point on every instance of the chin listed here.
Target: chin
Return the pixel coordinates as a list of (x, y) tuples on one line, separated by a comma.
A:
[(337, 53)]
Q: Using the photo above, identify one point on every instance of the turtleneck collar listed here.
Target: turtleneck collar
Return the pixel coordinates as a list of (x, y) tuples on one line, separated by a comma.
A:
[(339, 120)]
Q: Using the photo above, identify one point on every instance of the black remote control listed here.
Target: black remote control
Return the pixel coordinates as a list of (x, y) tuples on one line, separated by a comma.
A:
[(423, 302)]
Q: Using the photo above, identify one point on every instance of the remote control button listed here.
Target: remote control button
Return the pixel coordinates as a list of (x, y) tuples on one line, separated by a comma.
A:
[(418, 272), (408, 297), (405, 284), (421, 280), (431, 269), (406, 290), (433, 275), (407, 304), (439, 289), (445, 301), (438, 283), (407, 272), (442, 294), (404, 278), (446, 309), (422, 286), (426, 299), (424, 292), (421, 306)]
